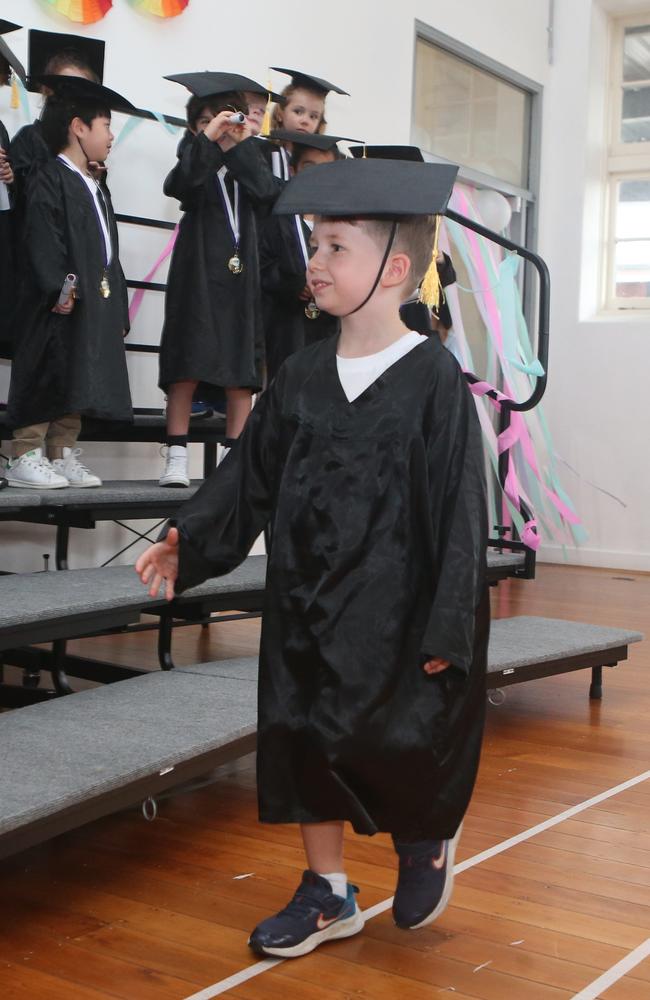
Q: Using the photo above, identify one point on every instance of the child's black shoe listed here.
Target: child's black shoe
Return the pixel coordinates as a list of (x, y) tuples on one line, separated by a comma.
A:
[(425, 880), (314, 915)]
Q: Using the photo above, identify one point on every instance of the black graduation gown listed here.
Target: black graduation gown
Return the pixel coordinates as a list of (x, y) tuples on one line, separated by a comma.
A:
[(213, 329), (28, 153), (76, 363), (377, 563), (7, 274), (282, 265)]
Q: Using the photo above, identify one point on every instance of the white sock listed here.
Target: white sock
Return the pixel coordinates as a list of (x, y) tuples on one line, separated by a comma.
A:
[(339, 882)]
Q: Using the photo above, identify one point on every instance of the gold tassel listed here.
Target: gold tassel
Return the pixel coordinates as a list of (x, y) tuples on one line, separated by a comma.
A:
[(431, 288), (15, 96), (266, 121)]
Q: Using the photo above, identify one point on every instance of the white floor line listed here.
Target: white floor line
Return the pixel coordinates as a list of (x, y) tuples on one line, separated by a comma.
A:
[(596, 989), (373, 911)]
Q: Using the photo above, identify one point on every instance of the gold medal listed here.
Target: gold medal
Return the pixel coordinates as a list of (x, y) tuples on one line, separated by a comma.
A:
[(311, 310), (235, 265), (104, 286)]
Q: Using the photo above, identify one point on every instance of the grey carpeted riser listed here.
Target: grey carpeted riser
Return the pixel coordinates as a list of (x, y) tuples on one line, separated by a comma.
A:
[(243, 668), (523, 641), (16, 498), (33, 597), (100, 740), (505, 560), (137, 491), (60, 753), (38, 597)]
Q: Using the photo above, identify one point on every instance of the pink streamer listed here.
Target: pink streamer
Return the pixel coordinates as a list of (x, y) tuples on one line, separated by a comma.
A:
[(136, 301)]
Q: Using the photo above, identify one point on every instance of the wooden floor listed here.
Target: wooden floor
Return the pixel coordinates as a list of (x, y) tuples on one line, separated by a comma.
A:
[(135, 910)]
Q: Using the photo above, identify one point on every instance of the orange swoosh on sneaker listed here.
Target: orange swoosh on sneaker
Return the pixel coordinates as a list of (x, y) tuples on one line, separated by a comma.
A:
[(324, 922), (440, 862)]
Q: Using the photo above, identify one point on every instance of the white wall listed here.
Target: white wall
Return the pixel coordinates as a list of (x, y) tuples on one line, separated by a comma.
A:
[(597, 366), (597, 403)]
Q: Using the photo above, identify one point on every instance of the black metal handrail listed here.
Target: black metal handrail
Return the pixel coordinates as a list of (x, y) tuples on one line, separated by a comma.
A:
[(543, 312)]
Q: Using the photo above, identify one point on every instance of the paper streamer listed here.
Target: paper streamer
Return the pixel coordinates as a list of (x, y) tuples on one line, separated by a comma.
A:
[(532, 476), (136, 301)]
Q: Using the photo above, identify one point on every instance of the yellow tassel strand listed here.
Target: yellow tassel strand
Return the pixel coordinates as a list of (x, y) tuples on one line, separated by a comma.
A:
[(431, 288), (266, 121), (15, 97)]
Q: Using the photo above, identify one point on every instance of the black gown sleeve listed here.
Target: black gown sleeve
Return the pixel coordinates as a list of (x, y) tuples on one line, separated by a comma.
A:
[(456, 472), (198, 159), (218, 526), (44, 235), (251, 169)]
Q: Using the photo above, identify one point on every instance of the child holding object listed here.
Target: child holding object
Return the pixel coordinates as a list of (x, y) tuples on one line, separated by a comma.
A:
[(69, 357), (365, 455), (213, 331)]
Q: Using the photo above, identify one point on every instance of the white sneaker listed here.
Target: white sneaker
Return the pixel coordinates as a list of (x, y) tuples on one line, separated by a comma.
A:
[(32, 471), (175, 473), (74, 471)]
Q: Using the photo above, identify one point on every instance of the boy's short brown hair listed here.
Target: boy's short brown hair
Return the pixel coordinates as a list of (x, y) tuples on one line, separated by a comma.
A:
[(414, 237)]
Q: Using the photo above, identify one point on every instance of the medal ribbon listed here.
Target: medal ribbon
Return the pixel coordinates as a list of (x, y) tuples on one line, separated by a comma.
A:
[(232, 211), (301, 240)]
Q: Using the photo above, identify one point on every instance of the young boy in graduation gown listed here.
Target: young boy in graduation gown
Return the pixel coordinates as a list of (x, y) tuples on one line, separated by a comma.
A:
[(365, 455), (50, 53), (291, 318), (213, 331), (69, 358), (8, 64)]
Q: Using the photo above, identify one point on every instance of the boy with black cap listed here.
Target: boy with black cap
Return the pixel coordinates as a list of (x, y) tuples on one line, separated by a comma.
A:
[(50, 53), (365, 455), (213, 331), (69, 355)]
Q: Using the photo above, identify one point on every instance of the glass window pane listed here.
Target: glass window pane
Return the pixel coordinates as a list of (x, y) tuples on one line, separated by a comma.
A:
[(635, 109), (632, 269), (636, 53), (635, 118), (469, 116), (633, 210)]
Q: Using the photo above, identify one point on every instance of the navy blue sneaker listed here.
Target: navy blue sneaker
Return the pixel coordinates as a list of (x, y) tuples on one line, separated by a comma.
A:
[(200, 409), (314, 915), (425, 881)]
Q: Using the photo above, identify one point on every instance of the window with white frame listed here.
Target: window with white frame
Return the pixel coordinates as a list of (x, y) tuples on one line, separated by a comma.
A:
[(627, 270)]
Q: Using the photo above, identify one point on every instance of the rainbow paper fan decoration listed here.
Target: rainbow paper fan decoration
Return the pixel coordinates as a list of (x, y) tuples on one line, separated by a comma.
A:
[(161, 8), (82, 11)]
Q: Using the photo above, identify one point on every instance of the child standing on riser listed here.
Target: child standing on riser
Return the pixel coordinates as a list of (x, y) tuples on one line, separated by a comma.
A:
[(69, 357)]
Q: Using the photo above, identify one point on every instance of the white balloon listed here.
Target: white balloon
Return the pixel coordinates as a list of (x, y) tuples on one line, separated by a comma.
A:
[(494, 210)]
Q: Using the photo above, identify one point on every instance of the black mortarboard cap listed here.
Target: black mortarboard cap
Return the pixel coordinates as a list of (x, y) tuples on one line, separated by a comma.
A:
[(7, 26), (79, 88), (314, 140), (5, 51), (411, 153), (300, 79), (43, 45), (353, 188), (210, 84)]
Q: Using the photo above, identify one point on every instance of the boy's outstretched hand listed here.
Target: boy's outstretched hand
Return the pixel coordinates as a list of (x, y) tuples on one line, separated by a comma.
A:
[(159, 564), (435, 666)]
